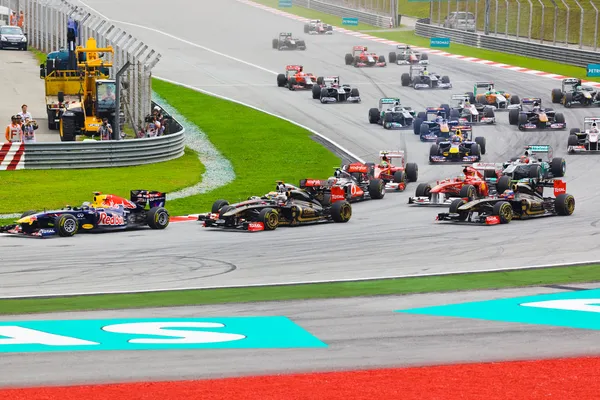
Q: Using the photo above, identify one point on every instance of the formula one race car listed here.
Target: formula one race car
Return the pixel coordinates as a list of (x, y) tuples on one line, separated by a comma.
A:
[(286, 206), (108, 212), (525, 200), (391, 114), (361, 58), (472, 113), (333, 92), (287, 42), (471, 184), (438, 128), (499, 99), (531, 116), (296, 79), (419, 78), (396, 175), (408, 56), (574, 92), (586, 141), (316, 27), (457, 149)]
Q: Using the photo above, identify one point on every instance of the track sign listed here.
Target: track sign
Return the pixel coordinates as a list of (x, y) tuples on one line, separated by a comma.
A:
[(350, 21), (439, 42), (285, 3), (593, 70)]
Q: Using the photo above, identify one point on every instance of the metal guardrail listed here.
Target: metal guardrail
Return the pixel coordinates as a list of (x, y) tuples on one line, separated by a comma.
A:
[(381, 20), (563, 55)]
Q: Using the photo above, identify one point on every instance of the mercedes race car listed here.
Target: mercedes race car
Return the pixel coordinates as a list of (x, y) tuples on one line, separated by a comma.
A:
[(408, 56), (288, 205), (438, 128), (334, 92), (499, 99), (286, 41), (573, 92), (470, 113), (391, 114), (108, 212), (394, 170), (317, 27), (586, 141), (360, 57), (524, 201), (419, 78), (530, 115), (296, 79)]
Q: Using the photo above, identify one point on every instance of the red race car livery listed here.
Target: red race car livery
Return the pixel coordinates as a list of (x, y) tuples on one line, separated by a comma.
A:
[(360, 57), (295, 78), (395, 175)]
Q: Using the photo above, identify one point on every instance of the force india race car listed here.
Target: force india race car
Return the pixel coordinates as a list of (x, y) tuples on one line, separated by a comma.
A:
[(391, 114), (525, 200), (286, 206), (361, 58), (333, 92), (419, 78), (586, 141), (287, 42), (499, 99), (107, 212), (472, 113), (531, 116), (395, 175), (296, 79), (573, 92), (408, 56), (316, 27), (457, 149)]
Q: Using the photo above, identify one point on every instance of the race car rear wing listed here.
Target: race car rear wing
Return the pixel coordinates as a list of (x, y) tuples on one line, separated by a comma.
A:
[(570, 81), (460, 97), (416, 68), (389, 100), (591, 120), (293, 67), (467, 128), (392, 153), (314, 183), (151, 198), (483, 84), (531, 100), (539, 148), (361, 48)]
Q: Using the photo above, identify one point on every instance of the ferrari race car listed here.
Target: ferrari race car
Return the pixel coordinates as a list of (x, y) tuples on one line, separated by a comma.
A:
[(439, 127), (586, 141), (361, 58), (391, 114), (471, 184), (573, 92), (408, 56), (395, 175), (499, 99), (457, 149), (287, 42), (472, 113), (286, 206), (107, 212), (316, 27), (419, 78), (296, 79), (333, 92), (531, 116), (524, 201)]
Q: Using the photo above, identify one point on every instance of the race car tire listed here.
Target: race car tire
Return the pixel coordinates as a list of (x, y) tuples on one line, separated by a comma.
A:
[(568, 100), (557, 96), (424, 57), (291, 83), (354, 92), (270, 218), (281, 80), (574, 131), (224, 210), (445, 79), (514, 99), (329, 28), (513, 116), (66, 225), (488, 112), (157, 218), (423, 190), (381, 59), (320, 80), (392, 57), (326, 200), (301, 45), (316, 92), (481, 99), (341, 211), (559, 118), (412, 172), (376, 189), (28, 213), (275, 43), (573, 141), (356, 61), (489, 173), (399, 177), (558, 166), (462, 215), (217, 205), (422, 115), (454, 114), (476, 150), (522, 119), (564, 204), (349, 59), (480, 140), (424, 129), (439, 140), (434, 150), (405, 79), (374, 115), (503, 184), (417, 125), (468, 192), (535, 172), (446, 108), (503, 210)]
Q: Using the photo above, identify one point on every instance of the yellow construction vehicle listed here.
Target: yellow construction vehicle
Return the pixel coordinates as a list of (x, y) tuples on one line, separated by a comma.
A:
[(79, 97)]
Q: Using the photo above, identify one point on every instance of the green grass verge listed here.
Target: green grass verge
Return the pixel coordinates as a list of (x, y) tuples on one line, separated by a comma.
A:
[(475, 281), (41, 57), (261, 148)]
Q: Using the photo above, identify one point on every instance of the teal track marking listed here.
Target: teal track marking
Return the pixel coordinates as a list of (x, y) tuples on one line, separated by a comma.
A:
[(154, 334), (579, 309)]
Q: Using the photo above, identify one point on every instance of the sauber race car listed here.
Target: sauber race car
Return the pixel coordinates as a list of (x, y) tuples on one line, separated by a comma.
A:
[(408, 56), (499, 99), (573, 92), (419, 78), (395, 174), (524, 201), (288, 205), (107, 212), (457, 149), (287, 42), (471, 184), (360, 57), (472, 113), (333, 92), (438, 128), (531, 116), (586, 141), (391, 114), (317, 27), (296, 79)]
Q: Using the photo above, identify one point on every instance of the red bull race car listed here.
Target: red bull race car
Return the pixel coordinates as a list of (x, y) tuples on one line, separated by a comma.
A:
[(395, 174), (296, 79), (457, 149), (360, 57)]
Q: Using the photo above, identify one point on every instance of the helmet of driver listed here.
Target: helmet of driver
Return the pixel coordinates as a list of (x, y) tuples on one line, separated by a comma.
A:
[(508, 194)]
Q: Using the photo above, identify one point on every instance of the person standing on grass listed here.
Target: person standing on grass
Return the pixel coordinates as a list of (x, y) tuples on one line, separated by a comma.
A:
[(14, 131)]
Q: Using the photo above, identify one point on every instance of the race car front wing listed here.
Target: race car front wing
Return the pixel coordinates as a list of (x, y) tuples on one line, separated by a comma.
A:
[(442, 159), (439, 86)]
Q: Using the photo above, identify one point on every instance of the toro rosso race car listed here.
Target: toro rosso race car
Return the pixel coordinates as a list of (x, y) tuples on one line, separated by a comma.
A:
[(439, 128), (288, 205), (586, 141), (470, 113), (317, 27), (532, 116), (296, 79), (107, 212), (287, 42), (391, 114), (524, 201), (361, 58), (498, 99), (408, 56), (419, 78), (397, 174), (457, 149), (333, 92)]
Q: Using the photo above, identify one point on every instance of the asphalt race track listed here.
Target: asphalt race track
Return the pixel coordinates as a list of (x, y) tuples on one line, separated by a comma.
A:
[(384, 238)]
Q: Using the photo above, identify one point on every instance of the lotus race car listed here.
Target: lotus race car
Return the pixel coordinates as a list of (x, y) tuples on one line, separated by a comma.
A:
[(316, 27), (107, 212), (574, 92), (586, 141), (361, 58), (392, 115), (395, 175), (499, 99), (457, 149), (287, 206), (296, 79), (287, 42), (333, 92), (408, 56), (531, 116), (419, 78), (472, 113)]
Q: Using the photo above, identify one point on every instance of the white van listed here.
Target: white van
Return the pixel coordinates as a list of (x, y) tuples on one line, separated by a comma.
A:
[(461, 20), (4, 15)]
